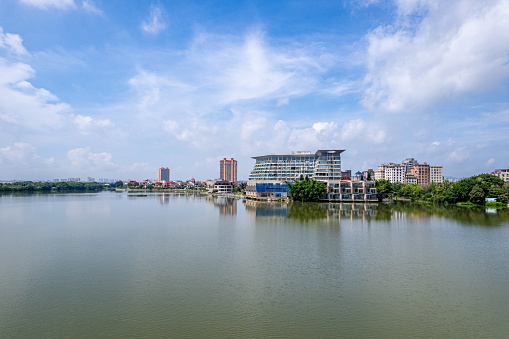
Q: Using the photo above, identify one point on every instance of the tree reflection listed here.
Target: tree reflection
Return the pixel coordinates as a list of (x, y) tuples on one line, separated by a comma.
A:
[(305, 211), (466, 215)]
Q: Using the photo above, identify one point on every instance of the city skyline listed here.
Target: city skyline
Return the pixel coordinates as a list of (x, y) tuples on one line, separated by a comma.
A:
[(113, 89)]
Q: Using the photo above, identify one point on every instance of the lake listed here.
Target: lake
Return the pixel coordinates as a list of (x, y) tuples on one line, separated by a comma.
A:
[(184, 266)]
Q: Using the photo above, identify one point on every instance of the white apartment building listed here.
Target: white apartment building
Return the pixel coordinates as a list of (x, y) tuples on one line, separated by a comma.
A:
[(392, 172), (379, 174), (436, 174), (395, 173)]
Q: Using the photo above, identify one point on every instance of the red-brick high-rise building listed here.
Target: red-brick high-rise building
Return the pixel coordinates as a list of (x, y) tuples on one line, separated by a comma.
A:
[(228, 170), (422, 173)]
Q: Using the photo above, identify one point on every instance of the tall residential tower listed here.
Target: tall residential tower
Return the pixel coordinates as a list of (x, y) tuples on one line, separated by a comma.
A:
[(228, 170), (163, 174)]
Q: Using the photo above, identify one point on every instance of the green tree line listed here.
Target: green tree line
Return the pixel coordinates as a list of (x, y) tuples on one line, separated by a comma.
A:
[(474, 189), (29, 186)]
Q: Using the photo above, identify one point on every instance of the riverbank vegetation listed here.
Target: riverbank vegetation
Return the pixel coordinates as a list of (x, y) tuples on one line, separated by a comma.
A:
[(473, 190), (29, 186)]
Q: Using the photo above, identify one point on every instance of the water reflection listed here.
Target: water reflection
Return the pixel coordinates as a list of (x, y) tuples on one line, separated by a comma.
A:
[(465, 215), (367, 212), (163, 198), (226, 205), (311, 211)]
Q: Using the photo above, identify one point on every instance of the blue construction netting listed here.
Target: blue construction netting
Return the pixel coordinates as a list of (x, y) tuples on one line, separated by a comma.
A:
[(276, 189)]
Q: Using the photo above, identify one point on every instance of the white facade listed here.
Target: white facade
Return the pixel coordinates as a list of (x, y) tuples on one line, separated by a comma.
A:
[(380, 174), (223, 187), (395, 173), (502, 174), (323, 165), (436, 174)]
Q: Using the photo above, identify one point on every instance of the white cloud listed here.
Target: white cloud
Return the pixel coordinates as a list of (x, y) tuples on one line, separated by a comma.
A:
[(489, 163), (84, 159), (155, 22), (361, 130), (459, 155), (452, 48), (22, 159), (435, 143), (25, 105), (90, 7), (12, 42), (45, 4), (341, 88), (282, 102), (21, 153), (87, 124), (210, 85)]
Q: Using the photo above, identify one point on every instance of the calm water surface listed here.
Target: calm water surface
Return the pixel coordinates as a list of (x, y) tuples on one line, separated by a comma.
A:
[(109, 264)]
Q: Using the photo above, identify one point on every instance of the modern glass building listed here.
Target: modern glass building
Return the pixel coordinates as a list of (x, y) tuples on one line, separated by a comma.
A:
[(271, 172), (322, 165)]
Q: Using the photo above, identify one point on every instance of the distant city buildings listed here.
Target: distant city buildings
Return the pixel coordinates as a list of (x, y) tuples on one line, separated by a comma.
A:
[(228, 170), (410, 172), (163, 174)]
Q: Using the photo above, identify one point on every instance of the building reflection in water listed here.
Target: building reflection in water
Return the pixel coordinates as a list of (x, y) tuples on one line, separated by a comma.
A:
[(163, 199), (333, 212), (226, 205)]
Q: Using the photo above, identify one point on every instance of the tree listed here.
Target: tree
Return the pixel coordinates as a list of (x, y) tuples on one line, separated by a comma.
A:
[(450, 197), (397, 187), (476, 195), (502, 198), (417, 191), (383, 189), (306, 190), (462, 188), (406, 191)]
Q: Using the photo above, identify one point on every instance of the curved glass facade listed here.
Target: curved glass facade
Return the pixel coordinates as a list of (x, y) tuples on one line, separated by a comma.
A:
[(323, 165)]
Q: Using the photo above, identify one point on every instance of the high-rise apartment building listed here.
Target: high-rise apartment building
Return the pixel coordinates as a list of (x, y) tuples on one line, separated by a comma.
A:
[(422, 173), (228, 170), (436, 173), (163, 174), (395, 173), (410, 172), (409, 163)]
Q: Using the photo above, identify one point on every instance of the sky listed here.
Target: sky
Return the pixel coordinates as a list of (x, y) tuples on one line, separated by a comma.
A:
[(117, 89)]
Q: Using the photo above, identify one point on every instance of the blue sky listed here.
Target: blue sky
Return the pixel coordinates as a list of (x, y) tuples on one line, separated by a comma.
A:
[(117, 89)]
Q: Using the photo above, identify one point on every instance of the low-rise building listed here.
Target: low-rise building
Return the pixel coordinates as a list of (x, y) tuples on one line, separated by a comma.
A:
[(502, 174), (223, 186), (410, 179), (350, 190)]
